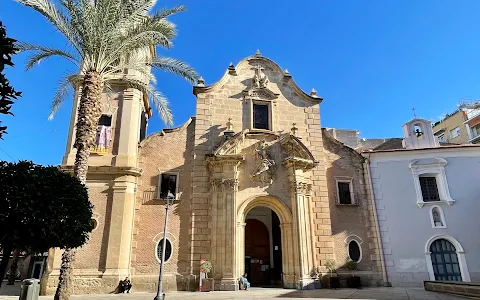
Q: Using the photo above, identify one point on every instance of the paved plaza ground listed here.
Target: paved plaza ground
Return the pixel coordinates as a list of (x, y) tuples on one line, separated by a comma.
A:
[(264, 294)]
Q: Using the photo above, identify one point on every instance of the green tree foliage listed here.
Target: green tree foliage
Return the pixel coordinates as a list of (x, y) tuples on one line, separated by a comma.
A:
[(7, 93), (41, 208)]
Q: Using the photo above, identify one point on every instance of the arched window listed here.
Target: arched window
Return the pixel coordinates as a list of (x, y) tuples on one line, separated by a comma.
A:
[(437, 218), (445, 261), (418, 130), (94, 224), (168, 250), (354, 251)]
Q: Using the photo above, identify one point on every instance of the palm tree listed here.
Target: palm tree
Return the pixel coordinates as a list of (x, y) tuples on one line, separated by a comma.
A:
[(105, 38)]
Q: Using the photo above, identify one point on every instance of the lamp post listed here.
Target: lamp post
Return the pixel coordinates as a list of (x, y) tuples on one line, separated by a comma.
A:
[(160, 295)]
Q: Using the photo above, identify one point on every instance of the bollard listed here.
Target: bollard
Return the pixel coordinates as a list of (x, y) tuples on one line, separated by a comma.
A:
[(30, 289)]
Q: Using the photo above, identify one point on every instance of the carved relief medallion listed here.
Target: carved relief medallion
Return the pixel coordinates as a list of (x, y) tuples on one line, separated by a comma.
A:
[(266, 166)]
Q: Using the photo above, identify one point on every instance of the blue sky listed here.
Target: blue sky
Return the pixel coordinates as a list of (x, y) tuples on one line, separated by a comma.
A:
[(371, 61)]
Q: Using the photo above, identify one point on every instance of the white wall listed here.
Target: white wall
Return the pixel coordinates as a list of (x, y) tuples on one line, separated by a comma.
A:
[(406, 228)]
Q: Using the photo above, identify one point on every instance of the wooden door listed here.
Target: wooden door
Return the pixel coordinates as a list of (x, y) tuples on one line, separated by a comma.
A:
[(257, 252)]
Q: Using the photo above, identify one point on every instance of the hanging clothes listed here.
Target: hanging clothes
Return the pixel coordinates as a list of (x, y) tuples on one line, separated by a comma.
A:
[(104, 134)]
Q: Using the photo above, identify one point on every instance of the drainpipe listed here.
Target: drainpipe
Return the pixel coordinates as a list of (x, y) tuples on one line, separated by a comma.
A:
[(377, 224)]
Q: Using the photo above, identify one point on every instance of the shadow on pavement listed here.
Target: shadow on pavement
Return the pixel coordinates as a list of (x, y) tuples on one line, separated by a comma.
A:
[(10, 290)]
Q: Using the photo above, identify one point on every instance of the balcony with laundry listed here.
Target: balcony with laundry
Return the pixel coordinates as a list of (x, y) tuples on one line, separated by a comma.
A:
[(103, 140)]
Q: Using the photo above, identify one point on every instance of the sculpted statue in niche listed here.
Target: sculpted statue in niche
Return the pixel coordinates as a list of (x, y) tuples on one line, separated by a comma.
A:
[(265, 171), (437, 219), (260, 80)]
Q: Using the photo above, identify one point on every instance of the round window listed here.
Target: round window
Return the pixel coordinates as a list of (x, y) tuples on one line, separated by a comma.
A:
[(354, 251), (168, 251), (94, 224)]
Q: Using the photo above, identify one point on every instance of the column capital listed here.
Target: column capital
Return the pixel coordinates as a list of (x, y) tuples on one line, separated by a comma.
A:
[(224, 184), (301, 188)]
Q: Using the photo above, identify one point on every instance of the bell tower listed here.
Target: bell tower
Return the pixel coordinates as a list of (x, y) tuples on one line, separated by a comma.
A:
[(112, 179), (418, 134), (121, 127)]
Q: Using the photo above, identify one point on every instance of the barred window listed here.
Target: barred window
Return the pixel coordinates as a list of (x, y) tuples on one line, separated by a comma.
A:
[(429, 189)]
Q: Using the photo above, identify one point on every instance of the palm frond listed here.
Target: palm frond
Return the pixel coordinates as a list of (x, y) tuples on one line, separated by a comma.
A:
[(43, 53), (167, 12), (134, 12), (175, 66), (146, 33), (138, 61), (54, 16), (61, 94), (157, 99)]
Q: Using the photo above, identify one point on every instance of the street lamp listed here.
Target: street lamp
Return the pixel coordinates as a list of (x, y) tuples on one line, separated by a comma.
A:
[(160, 295)]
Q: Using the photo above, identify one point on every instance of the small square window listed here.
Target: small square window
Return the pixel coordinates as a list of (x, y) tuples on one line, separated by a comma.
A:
[(428, 184), (344, 193), (105, 120), (261, 118), (442, 139), (168, 183), (455, 132), (476, 130)]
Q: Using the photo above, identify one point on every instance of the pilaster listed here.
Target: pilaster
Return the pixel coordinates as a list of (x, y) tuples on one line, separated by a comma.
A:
[(121, 228), (129, 128), (300, 191), (223, 225)]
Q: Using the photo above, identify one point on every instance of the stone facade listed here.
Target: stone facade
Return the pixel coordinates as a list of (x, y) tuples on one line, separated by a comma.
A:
[(224, 166), (355, 221)]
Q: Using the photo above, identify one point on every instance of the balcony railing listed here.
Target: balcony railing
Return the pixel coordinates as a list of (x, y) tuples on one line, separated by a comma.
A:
[(100, 150), (103, 140)]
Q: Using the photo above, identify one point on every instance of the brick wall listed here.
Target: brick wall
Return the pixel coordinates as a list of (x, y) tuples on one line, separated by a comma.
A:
[(93, 254), (348, 220), (168, 151)]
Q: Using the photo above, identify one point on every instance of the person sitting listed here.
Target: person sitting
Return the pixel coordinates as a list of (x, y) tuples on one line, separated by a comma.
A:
[(244, 281), (126, 285)]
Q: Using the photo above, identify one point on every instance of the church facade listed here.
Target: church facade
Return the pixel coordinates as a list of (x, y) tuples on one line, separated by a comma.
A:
[(259, 188)]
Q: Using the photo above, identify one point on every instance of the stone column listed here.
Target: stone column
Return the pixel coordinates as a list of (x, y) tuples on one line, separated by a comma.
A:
[(301, 225), (224, 233), (117, 264), (240, 248)]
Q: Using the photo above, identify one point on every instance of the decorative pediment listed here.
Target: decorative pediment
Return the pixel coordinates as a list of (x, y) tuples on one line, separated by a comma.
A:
[(259, 81), (297, 152), (260, 94), (231, 145)]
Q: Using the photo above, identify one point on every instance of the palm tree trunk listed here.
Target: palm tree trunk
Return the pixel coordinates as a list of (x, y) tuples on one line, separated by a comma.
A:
[(13, 267), (89, 111)]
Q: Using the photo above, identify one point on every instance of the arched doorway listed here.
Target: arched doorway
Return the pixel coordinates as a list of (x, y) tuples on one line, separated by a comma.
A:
[(263, 250), (281, 271), (445, 261)]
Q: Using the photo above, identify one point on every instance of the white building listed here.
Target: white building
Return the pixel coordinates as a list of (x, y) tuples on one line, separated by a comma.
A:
[(473, 123), (427, 200)]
